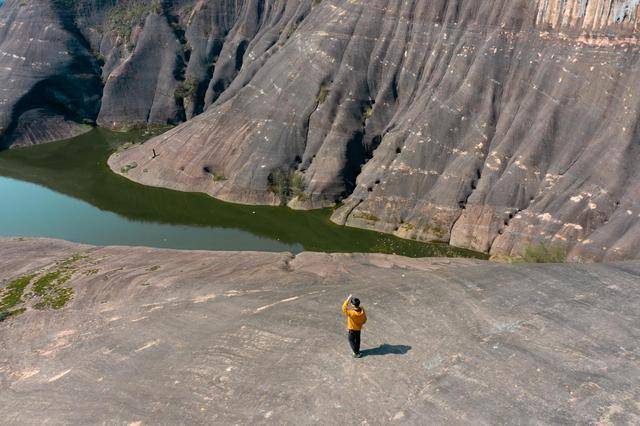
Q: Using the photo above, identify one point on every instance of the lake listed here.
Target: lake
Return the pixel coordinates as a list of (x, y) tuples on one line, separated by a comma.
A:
[(66, 190)]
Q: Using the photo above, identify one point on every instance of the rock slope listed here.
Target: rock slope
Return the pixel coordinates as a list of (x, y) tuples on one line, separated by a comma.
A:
[(493, 125), (48, 79), (157, 336), (147, 61), (490, 124)]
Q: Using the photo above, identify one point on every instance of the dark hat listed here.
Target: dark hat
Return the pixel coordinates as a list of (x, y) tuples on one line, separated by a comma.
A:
[(355, 301)]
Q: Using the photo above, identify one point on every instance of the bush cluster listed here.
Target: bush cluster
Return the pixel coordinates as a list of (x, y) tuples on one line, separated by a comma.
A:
[(286, 184)]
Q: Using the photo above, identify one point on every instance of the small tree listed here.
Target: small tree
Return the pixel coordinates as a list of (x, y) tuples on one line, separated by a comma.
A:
[(286, 184), (279, 184), (323, 93), (297, 184), (185, 89)]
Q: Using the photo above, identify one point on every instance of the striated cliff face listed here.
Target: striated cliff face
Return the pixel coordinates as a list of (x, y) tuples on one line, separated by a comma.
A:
[(157, 62), (589, 15), (489, 124), (492, 125)]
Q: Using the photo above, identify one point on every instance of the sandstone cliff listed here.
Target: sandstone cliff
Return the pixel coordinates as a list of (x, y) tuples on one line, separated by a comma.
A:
[(492, 125), (48, 81), (489, 124)]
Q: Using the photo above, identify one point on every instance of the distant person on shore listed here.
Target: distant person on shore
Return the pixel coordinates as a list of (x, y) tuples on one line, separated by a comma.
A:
[(356, 317)]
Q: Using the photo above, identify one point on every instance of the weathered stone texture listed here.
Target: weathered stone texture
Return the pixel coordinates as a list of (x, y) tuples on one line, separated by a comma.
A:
[(492, 125), (48, 79), (174, 337), (142, 88)]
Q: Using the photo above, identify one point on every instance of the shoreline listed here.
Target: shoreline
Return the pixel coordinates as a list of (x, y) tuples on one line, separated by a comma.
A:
[(79, 177)]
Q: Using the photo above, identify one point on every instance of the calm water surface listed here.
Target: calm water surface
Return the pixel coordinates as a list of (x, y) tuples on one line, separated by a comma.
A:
[(65, 190), (35, 211)]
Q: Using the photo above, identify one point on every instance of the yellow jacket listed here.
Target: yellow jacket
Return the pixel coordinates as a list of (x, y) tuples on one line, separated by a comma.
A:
[(355, 319)]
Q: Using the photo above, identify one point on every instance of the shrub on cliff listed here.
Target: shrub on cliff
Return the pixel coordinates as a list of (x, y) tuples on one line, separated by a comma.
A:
[(286, 184), (541, 253)]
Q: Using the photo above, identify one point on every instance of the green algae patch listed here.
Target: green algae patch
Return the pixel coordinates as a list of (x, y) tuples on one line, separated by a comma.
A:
[(535, 253), (367, 216), (50, 289), (44, 283), (128, 167), (73, 259), (12, 296), (13, 292), (91, 272)]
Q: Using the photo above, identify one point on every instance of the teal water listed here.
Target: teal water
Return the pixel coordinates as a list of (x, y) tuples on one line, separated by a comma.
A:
[(31, 210), (66, 190)]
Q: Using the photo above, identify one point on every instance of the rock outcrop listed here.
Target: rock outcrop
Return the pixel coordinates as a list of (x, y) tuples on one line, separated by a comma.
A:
[(49, 86), (493, 125), (158, 336), (159, 62)]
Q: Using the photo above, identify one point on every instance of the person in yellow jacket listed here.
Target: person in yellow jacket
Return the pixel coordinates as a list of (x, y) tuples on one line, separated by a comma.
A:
[(356, 317)]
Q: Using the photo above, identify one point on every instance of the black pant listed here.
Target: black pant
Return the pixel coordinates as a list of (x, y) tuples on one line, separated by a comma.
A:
[(354, 341)]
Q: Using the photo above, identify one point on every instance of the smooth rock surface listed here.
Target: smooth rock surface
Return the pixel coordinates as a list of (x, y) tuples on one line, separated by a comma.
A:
[(165, 337)]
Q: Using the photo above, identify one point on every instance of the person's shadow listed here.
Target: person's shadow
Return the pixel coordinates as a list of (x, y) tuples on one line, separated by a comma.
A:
[(386, 349)]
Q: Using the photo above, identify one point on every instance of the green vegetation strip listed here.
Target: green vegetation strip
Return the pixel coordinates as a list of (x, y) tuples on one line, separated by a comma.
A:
[(48, 290), (538, 253), (12, 296)]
